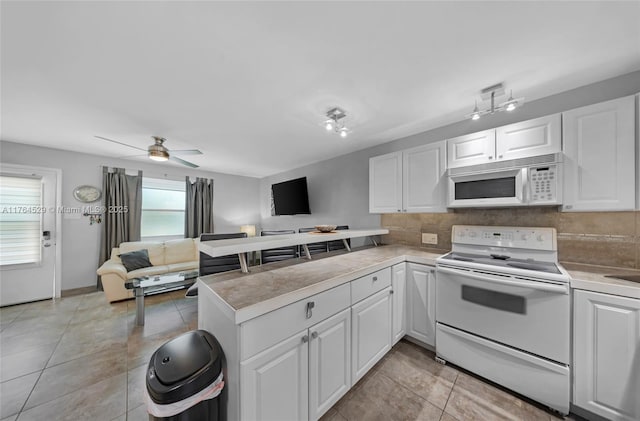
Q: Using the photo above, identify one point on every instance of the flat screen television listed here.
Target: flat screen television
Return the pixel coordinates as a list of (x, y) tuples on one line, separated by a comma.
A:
[(291, 197)]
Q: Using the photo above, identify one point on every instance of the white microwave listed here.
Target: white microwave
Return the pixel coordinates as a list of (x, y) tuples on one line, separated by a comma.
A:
[(535, 181)]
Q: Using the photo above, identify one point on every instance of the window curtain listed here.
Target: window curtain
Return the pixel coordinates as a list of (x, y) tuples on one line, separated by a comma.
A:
[(122, 199), (199, 207)]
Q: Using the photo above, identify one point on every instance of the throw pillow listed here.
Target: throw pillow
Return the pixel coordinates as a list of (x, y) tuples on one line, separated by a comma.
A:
[(135, 260)]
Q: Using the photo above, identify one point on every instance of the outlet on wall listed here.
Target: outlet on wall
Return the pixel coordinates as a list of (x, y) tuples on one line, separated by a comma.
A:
[(428, 238)]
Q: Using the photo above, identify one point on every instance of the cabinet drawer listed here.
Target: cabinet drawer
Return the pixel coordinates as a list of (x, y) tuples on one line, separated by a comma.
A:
[(267, 330), (363, 287)]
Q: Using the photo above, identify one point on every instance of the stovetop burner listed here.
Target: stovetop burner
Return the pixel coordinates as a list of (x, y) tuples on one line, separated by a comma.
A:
[(504, 261)]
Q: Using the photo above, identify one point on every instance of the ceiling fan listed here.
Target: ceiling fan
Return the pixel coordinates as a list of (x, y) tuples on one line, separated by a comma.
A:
[(159, 152)]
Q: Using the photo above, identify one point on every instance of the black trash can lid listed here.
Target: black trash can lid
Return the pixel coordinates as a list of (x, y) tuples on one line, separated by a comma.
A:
[(184, 366)]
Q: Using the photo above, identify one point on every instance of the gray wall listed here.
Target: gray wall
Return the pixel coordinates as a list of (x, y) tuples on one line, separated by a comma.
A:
[(339, 187), (235, 200)]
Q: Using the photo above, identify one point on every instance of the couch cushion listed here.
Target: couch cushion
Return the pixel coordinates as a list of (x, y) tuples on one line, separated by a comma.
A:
[(184, 266), (180, 251), (151, 270), (156, 250), (133, 260)]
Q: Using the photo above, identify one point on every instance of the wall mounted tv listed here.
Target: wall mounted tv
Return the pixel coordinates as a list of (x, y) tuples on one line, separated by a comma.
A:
[(290, 197)]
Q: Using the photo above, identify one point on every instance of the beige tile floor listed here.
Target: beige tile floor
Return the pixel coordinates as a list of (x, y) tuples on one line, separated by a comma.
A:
[(81, 358)]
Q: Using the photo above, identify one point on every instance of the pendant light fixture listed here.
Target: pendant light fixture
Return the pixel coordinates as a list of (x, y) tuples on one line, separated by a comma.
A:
[(334, 122), (491, 93)]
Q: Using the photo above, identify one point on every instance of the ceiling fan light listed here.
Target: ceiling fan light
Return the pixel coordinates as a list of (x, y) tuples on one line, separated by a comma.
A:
[(511, 105), (328, 125), (158, 155), (343, 132), (475, 116)]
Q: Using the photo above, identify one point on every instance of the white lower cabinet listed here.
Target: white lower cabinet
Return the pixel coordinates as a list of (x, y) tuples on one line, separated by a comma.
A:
[(421, 303), (371, 332), (275, 382), (398, 286), (329, 362), (606, 344)]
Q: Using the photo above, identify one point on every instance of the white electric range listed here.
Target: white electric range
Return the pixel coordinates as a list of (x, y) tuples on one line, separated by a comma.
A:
[(503, 310)]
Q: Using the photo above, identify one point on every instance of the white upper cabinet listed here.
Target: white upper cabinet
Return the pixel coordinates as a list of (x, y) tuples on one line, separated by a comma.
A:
[(385, 183), (599, 162), (423, 183), (471, 149), (409, 181), (540, 136)]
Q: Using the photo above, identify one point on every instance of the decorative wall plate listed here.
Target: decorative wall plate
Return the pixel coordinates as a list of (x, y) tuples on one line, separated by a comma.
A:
[(87, 194)]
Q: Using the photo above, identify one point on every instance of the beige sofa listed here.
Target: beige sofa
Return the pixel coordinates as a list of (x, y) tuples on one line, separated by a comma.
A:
[(166, 257)]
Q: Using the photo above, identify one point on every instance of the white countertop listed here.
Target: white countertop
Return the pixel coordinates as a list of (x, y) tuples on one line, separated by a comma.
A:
[(592, 278), (218, 248)]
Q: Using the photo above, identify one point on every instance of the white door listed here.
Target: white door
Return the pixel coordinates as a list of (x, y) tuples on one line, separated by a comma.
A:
[(385, 183), (607, 355), (421, 305), (540, 136), (398, 285), (329, 362), (371, 332), (471, 149), (599, 162), (28, 211), (275, 383), (424, 185)]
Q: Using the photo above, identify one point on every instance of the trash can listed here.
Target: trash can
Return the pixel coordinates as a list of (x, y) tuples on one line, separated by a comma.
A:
[(185, 379)]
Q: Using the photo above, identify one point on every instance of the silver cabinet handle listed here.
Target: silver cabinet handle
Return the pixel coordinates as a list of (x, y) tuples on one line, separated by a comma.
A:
[(490, 157), (499, 156), (310, 306), (305, 339), (391, 292), (314, 335), (398, 210), (375, 278)]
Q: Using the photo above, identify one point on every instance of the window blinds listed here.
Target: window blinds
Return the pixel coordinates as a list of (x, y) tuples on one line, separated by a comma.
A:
[(20, 219)]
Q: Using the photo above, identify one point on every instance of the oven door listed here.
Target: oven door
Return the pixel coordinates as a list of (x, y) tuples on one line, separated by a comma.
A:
[(525, 313), (500, 188)]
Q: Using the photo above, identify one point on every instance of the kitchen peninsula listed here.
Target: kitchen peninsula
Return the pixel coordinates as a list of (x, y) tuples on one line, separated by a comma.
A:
[(285, 323)]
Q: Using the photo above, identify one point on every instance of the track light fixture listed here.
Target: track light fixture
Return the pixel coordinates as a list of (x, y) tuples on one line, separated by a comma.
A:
[(491, 93), (334, 123)]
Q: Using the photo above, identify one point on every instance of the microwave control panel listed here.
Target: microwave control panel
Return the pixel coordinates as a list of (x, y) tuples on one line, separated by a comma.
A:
[(543, 185)]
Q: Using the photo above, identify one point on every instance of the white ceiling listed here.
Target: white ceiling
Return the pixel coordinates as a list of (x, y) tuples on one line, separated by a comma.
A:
[(248, 83)]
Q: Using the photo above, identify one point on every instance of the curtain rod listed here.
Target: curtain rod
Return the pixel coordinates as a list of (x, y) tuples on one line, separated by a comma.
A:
[(154, 174)]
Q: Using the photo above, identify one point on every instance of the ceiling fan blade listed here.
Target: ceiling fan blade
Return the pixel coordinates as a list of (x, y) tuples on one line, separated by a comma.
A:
[(183, 162), (186, 151), (120, 143)]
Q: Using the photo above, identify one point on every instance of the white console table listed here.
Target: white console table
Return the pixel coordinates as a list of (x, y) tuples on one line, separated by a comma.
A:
[(240, 246)]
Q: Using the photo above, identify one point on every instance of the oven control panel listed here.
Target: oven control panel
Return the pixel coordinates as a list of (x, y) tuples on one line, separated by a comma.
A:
[(533, 238)]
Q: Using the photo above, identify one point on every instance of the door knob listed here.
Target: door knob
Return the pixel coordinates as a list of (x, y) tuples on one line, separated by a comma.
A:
[(305, 339), (314, 335)]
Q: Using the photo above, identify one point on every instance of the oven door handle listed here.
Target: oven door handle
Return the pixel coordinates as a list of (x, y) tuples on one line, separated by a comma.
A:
[(539, 286)]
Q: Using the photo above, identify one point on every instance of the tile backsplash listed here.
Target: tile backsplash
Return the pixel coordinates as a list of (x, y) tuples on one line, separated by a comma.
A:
[(599, 238)]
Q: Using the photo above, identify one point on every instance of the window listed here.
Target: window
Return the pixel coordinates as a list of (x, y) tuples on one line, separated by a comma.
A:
[(20, 220), (163, 209)]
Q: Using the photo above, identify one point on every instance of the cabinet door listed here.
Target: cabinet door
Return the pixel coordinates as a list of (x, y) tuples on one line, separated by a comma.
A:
[(540, 136), (275, 383), (329, 362), (398, 286), (606, 346), (421, 303), (599, 163), (423, 187), (385, 183), (370, 332), (471, 149)]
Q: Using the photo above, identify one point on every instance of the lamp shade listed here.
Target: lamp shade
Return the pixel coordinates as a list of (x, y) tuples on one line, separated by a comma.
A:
[(249, 229)]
